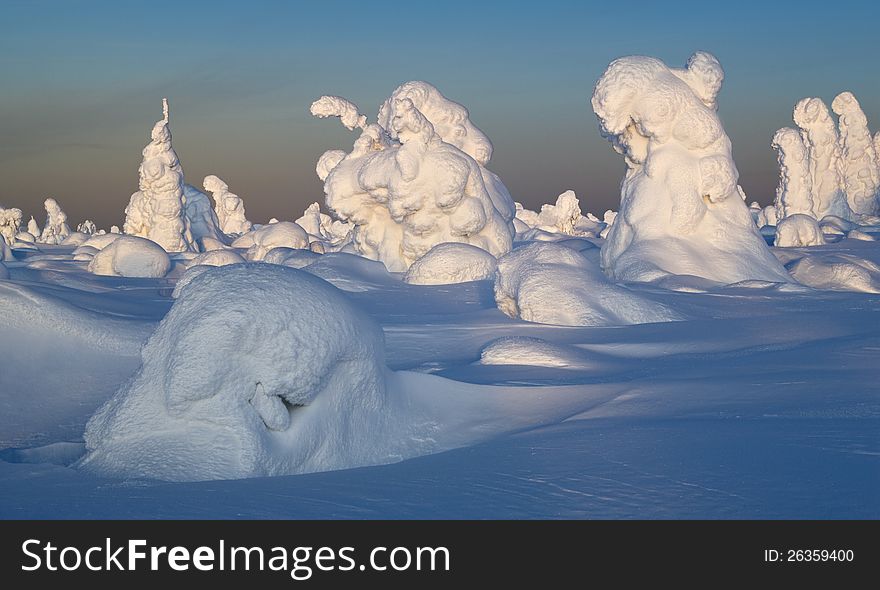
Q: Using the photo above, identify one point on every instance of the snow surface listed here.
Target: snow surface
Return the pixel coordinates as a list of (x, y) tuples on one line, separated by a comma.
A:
[(681, 210), (760, 402)]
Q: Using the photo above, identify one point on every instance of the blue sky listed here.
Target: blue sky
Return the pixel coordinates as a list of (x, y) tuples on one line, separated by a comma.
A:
[(82, 83)]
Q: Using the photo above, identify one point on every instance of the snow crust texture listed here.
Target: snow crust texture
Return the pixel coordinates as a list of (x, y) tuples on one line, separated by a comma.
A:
[(681, 209)]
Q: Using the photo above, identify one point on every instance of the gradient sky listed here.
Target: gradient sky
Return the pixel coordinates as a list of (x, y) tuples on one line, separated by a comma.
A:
[(81, 84)]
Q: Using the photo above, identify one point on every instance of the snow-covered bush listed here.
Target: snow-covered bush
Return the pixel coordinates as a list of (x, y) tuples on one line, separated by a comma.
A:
[(794, 193), (131, 256), (798, 229), (681, 209), (858, 158), (56, 228), (228, 207), (308, 395), (416, 179), (156, 211), (450, 263), (548, 283)]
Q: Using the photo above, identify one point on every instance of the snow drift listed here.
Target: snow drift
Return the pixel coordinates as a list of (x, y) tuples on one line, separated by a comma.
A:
[(548, 283), (681, 209)]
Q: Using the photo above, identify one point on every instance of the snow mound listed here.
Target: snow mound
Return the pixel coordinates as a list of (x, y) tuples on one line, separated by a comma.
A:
[(855, 234), (217, 258), (416, 179), (349, 272), (449, 263), (131, 256), (681, 211), (533, 352), (292, 257), (284, 234), (101, 241), (837, 272), (309, 395), (548, 283), (798, 229), (832, 224), (75, 239)]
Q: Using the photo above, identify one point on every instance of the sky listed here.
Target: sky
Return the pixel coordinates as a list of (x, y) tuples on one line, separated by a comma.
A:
[(81, 84)]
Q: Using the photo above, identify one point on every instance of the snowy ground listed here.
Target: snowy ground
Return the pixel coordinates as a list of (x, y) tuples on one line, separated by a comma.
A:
[(762, 403)]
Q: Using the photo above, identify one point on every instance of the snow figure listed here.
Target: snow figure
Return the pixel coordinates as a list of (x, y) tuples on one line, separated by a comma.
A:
[(308, 395), (820, 138), (408, 185), (858, 162), (203, 221), (56, 229), (156, 211), (10, 222), (228, 207), (33, 227), (681, 211), (794, 193), (798, 230), (86, 227)]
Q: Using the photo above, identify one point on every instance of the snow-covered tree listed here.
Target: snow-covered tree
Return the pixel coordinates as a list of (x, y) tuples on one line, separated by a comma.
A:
[(56, 228), (156, 211), (858, 162), (228, 207), (794, 193), (821, 140), (10, 222)]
